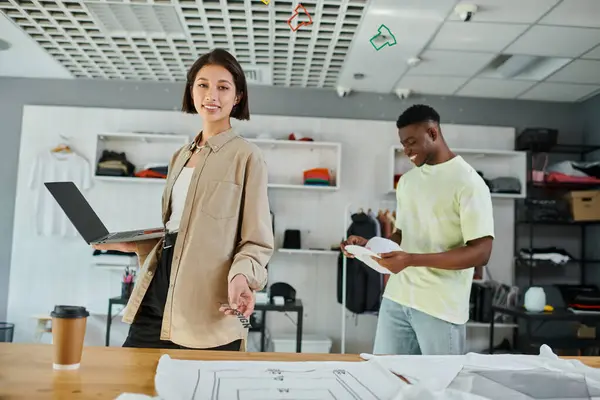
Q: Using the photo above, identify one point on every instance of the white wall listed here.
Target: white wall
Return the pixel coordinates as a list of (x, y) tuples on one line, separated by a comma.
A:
[(49, 271)]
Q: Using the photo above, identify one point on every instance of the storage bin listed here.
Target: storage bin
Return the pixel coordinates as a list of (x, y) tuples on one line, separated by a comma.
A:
[(310, 343), (7, 331), (585, 205)]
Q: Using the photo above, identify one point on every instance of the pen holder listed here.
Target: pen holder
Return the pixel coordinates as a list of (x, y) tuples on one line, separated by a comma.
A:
[(126, 289)]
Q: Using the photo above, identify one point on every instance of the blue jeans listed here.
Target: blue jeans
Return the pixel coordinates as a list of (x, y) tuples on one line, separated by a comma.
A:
[(405, 331)]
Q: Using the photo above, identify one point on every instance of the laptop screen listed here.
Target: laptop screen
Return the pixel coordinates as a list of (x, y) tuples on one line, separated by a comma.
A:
[(78, 210)]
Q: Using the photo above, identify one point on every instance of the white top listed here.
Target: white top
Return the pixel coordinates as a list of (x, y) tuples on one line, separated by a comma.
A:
[(178, 195), (50, 219), (440, 207)]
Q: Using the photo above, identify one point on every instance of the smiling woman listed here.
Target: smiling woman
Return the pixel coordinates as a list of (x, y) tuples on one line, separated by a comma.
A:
[(201, 275)]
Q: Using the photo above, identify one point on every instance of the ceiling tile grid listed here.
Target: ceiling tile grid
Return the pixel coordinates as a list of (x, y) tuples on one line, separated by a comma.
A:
[(522, 49), (160, 39), (509, 48)]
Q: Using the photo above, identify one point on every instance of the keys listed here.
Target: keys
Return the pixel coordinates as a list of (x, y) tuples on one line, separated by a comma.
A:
[(238, 314)]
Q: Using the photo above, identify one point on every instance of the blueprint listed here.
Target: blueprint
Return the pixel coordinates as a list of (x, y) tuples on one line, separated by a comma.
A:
[(266, 380)]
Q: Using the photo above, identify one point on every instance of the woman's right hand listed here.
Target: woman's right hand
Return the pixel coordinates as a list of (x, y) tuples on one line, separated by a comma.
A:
[(352, 240), (125, 247)]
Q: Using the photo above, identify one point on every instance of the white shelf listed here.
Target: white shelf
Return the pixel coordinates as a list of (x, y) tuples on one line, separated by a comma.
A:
[(288, 159), (143, 136), (292, 143), (128, 179), (308, 251), (492, 163), (301, 187), (488, 325)]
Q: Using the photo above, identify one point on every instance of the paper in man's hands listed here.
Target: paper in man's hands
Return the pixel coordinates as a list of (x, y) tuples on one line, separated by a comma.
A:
[(373, 248)]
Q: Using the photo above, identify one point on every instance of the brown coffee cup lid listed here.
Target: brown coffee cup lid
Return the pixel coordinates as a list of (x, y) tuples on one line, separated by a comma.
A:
[(61, 311)]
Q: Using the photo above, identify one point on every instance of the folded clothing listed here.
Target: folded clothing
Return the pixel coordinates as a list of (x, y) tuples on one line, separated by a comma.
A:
[(112, 163), (317, 176)]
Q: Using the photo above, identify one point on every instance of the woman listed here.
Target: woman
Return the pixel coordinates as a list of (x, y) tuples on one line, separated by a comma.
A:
[(218, 236)]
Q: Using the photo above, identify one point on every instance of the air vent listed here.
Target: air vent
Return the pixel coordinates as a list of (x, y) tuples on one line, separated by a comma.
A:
[(119, 20), (258, 75)]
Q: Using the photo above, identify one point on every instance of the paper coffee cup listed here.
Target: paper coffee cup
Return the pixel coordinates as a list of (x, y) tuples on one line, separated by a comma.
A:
[(68, 332)]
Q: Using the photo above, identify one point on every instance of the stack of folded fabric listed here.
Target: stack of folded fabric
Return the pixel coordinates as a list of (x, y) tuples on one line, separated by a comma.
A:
[(114, 164), (317, 177), (153, 171)]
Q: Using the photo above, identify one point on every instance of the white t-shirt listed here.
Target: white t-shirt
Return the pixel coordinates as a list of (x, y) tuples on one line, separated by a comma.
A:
[(440, 207), (178, 196), (50, 219)]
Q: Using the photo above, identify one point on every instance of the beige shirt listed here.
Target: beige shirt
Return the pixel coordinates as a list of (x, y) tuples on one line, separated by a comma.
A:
[(225, 230)]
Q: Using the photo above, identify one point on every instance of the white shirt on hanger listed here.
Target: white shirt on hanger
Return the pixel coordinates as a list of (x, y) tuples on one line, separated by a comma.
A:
[(180, 190), (50, 219)]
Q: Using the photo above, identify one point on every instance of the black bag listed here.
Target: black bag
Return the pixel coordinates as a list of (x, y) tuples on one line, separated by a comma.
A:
[(363, 285)]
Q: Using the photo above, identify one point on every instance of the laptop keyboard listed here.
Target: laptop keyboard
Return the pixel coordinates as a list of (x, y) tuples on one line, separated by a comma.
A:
[(124, 235)]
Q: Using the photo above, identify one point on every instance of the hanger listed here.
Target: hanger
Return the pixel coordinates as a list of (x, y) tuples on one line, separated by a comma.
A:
[(62, 147)]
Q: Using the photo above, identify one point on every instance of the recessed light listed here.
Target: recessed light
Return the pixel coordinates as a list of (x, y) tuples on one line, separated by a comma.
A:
[(359, 75), (4, 45)]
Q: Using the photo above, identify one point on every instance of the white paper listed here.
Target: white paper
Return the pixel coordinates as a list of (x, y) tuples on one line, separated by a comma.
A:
[(381, 245), (459, 377), (265, 380), (363, 254)]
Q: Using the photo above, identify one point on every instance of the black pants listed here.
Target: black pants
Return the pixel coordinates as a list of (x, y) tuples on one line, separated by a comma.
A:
[(146, 327)]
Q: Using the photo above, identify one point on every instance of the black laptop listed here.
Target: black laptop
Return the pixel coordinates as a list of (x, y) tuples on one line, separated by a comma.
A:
[(87, 222)]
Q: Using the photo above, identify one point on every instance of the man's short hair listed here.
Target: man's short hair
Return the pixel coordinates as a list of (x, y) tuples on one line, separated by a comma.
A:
[(417, 114)]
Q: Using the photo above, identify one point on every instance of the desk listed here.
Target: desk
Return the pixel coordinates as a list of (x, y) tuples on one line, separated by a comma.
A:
[(296, 307), (559, 314), (26, 370)]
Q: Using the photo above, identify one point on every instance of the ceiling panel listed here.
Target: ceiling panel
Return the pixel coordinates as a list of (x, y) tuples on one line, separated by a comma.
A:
[(451, 63), (555, 41), (496, 88), (547, 91), (579, 71), (411, 23), (432, 84), (585, 13), (25, 58), (593, 54), (158, 40), (476, 36), (515, 11)]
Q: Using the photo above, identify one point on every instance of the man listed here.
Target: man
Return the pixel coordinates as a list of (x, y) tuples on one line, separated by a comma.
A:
[(445, 226)]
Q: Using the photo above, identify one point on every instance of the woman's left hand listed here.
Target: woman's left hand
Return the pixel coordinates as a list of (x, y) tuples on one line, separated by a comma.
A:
[(241, 298)]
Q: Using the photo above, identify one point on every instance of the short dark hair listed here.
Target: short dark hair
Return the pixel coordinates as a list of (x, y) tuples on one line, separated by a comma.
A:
[(417, 114), (220, 57)]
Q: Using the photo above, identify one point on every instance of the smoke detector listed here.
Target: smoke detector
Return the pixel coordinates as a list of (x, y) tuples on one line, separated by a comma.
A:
[(465, 11)]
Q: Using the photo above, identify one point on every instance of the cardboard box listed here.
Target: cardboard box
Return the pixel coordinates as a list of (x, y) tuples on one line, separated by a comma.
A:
[(585, 205)]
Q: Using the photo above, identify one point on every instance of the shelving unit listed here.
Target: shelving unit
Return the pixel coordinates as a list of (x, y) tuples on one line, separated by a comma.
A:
[(288, 159), (309, 252), (140, 149), (545, 190), (492, 163)]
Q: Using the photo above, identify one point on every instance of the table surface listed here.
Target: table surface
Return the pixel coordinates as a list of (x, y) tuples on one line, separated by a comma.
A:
[(26, 370)]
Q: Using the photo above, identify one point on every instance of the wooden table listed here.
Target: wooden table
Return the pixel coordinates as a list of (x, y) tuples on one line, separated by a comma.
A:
[(26, 370)]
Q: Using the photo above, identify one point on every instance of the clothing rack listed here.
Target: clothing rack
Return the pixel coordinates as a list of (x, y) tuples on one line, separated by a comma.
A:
[(348, 211)]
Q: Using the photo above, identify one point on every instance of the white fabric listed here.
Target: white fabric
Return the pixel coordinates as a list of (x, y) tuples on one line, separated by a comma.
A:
[(50, 219), (180, 189), (454, 377)]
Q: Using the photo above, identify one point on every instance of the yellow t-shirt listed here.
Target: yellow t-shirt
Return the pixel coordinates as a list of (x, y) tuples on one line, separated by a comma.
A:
[(440, 207)]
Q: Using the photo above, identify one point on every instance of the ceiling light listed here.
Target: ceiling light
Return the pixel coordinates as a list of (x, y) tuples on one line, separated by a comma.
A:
[(515, 65), (4, 45)]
